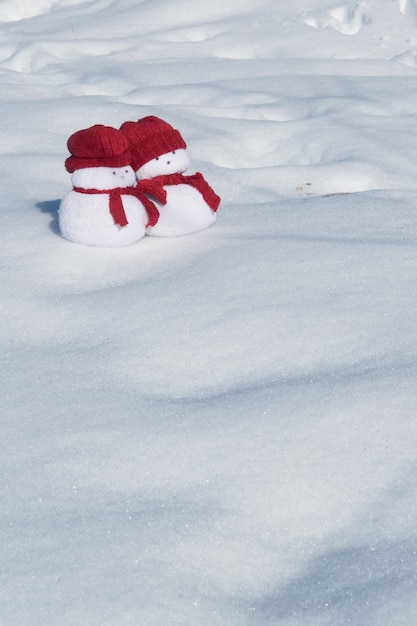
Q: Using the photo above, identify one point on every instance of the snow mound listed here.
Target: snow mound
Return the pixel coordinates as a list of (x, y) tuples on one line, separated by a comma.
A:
[(409, 9), (346, 19), (12, 11)]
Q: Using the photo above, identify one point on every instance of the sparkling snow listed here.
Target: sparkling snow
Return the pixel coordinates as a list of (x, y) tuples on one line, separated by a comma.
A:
[(218, 429)]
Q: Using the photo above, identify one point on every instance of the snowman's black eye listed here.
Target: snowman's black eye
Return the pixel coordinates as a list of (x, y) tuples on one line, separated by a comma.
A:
[(126, 171), (114, 173), (173, 152), (156, 158)]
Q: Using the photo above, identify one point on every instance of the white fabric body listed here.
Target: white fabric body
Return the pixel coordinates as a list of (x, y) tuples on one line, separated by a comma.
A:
[(86, 218), (185, 212)]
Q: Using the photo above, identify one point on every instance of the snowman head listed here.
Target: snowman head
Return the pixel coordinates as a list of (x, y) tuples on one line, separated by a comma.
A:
[(100, 159), (102, 178), (174, 162), (156, 147)]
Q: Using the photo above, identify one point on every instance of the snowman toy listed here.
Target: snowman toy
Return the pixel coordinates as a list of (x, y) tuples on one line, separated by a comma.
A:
[(159, 155), (104, 208)]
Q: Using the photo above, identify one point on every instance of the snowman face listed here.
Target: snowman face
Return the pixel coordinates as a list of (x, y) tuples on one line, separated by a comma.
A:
[(104, 177), (174, 162)]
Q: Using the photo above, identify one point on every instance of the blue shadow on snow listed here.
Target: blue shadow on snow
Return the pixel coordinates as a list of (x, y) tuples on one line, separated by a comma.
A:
[(51, 207), (348, 584)]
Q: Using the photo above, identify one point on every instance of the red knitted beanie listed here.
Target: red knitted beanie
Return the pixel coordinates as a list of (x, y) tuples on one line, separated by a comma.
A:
[(98, 146), (150, 137)]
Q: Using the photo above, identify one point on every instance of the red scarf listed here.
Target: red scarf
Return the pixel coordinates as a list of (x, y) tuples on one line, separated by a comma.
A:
[(195, 180), (152, 189), (116, 203)]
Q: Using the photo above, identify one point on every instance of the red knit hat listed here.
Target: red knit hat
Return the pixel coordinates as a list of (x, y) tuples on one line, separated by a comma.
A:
[(97, 146), (150, 137)]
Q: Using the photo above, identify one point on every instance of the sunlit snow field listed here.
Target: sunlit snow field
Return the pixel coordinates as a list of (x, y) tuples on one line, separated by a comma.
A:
[(218, 429)]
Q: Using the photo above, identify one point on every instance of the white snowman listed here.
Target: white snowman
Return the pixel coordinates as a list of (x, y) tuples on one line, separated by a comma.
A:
[(103, 208), (159, 154)]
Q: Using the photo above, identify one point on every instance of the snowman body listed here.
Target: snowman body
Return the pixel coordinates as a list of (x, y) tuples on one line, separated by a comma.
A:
[(84, 213), (185, 210)]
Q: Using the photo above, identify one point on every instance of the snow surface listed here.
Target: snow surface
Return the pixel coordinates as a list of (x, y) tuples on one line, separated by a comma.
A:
[(218, 429)]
